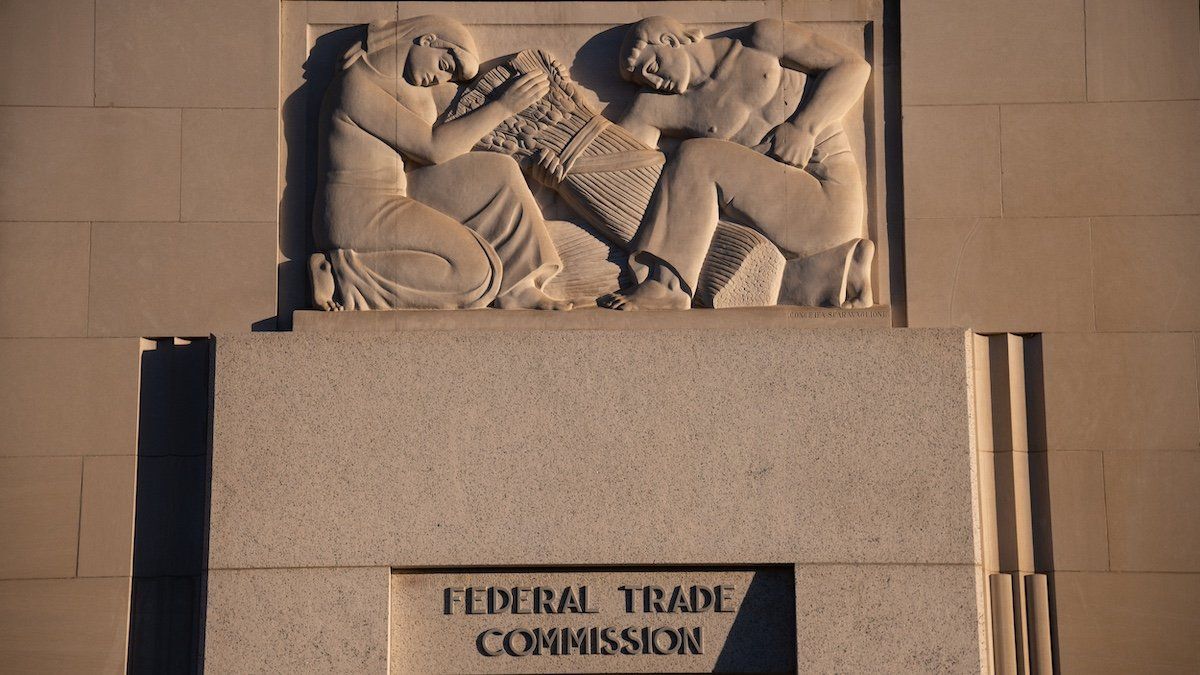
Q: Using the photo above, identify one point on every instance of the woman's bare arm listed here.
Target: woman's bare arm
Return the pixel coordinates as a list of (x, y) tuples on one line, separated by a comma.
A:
[(379, 113)]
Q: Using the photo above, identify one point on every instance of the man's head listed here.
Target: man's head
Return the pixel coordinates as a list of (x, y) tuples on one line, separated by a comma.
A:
[(653, 54)]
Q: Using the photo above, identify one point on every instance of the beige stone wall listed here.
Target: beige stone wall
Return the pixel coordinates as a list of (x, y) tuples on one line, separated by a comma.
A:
[(137, 199), (1051, 158)]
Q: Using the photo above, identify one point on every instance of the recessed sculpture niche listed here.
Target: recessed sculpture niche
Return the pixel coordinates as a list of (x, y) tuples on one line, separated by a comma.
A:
[(728, 181)]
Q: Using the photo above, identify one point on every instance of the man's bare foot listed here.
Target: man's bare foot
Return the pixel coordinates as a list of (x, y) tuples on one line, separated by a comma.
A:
[(649, 294), (529, 297), (322, 283), (858, 276)]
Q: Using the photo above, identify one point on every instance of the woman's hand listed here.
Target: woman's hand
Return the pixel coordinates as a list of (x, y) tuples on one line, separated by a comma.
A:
[(547, 169), (524, 92)]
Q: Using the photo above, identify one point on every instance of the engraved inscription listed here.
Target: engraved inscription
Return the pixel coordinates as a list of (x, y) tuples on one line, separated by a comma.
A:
[(681, 619), (588, 640)]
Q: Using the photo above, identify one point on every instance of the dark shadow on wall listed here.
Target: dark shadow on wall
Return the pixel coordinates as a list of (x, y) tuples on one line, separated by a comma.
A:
[(301, 112), (1039, 475), (893, 157), (595, 67), (763, 634), (167, 604)]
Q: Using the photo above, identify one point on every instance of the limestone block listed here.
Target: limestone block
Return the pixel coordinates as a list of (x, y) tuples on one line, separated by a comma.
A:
[(951, 161), (230, 165), (902, 611), (981, 51), (89, 164), (1125, 622), (1144, 50), (39, 516), (68, 397), (44, 280), (831, 10), (1152, 501), (326, 620), (778, 476), (1146, 276), (106, 516), (46, 47), (185, 279), (743, 269), (1116, 158), (999, 274), (1120, 391), (1077, 510), (64, 625), (177, 53)]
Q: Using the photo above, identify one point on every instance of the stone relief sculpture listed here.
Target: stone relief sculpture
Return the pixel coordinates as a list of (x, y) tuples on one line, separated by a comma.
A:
[(406, 216), (761, 203), (753, 154)]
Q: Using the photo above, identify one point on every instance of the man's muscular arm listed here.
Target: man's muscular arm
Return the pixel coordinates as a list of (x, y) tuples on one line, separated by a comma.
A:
[(651, 115), (841, 75)]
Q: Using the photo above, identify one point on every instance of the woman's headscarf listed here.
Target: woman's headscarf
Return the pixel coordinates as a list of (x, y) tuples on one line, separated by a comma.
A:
[(451, 36)]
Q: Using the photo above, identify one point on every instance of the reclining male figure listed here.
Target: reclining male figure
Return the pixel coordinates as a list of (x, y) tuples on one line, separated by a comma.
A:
[(754, 153)]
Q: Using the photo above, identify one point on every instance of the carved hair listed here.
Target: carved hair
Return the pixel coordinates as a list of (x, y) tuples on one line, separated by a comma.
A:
[(654, 30), (430, 30)]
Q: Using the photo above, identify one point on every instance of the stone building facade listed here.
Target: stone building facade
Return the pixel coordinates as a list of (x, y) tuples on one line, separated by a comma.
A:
[(1042, 155)]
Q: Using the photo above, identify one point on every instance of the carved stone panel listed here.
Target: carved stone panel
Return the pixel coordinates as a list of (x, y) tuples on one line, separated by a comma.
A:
[(465, 155)]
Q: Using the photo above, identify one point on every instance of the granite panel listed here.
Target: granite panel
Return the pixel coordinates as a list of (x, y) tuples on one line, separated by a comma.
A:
[(44, 279), (590, 318), (185, 279), (89, 164), (64, 625), (1075, 482), (1121, 391), (39, 516), (1153, 498), (888, 618), (1101, 159), (178, 53), (106, 516), (1127, 622), (230, 165), (298, 620), (1146, 276), (669, 446), (951, 161), (1145, 50), (982, 51), (47, 50), (997, 275), (68, 396)]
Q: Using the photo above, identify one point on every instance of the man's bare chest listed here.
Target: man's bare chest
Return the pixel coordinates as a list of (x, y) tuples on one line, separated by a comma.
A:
[(744, 100)]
